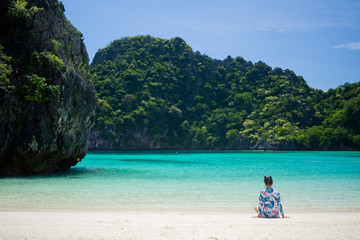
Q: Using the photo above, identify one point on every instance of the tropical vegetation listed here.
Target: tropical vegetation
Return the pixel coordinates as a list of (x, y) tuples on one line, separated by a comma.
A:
[(158, 93)]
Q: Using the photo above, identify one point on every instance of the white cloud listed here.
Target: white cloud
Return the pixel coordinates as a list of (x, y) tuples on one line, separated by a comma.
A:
[(349, 45), (274, 30)]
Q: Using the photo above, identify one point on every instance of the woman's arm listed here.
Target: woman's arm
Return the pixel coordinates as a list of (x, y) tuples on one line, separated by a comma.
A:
[(261, 205), (278, 201)]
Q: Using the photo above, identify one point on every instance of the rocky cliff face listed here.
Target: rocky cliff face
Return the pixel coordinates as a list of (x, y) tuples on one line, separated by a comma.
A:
[(47, 102), (98, 140), (135, 140)]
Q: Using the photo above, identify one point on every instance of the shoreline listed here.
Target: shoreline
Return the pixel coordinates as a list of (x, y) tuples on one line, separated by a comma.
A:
[(225, 149), (52, 224), (163, 210)]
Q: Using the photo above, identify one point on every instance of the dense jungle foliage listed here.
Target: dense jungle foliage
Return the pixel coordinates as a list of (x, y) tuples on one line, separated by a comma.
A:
[(156, 93)]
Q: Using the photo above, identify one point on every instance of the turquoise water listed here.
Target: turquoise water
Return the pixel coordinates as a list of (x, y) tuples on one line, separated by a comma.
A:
[(192, 181)]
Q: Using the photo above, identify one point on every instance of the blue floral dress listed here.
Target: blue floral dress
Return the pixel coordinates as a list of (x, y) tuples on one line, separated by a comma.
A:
[(269, 204)]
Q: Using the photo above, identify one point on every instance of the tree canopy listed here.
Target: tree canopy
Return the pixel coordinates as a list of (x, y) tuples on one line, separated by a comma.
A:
[(158, 93)]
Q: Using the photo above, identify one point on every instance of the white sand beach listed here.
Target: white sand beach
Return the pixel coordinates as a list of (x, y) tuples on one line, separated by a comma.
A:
[(174, 225)]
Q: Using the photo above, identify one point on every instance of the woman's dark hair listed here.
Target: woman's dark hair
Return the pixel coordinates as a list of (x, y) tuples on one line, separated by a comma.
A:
[(268, 181)]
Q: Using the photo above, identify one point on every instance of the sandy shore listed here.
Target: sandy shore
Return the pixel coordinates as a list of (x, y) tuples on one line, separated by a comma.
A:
[(171, 225)]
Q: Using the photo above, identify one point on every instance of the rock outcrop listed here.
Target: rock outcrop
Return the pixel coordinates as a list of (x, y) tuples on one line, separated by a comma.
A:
[(47, 101)]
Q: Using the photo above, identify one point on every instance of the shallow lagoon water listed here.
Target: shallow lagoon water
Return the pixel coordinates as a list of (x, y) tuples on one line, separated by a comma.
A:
[(192, 181)]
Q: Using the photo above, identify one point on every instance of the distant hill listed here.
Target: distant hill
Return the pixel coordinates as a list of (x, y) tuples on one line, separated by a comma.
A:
[(159, 94)]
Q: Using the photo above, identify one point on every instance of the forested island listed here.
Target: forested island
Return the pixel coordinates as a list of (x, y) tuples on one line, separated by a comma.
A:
[(159, 94)]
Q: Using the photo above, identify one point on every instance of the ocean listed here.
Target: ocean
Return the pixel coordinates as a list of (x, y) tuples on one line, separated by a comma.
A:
[(192, 181)]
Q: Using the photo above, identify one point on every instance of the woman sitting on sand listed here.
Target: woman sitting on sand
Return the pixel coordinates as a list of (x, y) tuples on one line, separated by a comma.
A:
[(269, 201)]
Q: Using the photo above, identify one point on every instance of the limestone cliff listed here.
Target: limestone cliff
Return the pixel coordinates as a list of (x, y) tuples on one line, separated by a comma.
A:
[(47, 102)]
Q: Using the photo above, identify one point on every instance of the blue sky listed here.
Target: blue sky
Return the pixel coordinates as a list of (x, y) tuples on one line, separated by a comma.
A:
[(317, 39)]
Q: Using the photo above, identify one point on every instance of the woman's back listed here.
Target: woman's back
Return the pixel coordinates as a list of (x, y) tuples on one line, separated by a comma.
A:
[(269, 203)]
